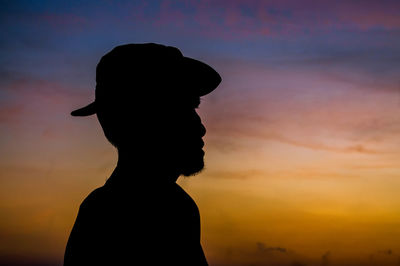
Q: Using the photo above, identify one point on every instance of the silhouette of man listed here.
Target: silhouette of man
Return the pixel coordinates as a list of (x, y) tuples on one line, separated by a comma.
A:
[(145, 100)]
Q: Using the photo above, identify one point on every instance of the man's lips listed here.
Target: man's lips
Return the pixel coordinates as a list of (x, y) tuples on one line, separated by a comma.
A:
[(194, 144)]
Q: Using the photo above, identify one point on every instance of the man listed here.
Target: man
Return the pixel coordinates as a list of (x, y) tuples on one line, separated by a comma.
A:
[(145, 100)]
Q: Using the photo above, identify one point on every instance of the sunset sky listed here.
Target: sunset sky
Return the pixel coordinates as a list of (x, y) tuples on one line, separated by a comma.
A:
[(303, 134)]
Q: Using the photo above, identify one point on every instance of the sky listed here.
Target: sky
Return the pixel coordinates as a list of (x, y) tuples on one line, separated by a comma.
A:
[(303, 133)]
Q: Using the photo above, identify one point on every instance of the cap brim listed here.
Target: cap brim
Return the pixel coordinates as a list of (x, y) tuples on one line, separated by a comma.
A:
[(89, 109), (197, 75), (201, 76)]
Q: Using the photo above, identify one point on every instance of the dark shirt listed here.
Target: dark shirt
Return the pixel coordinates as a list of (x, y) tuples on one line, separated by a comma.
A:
[(136, 224)]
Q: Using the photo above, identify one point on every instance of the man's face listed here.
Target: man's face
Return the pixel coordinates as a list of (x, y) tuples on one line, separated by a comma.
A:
[(167, 135), (193, 162), (186, 144)]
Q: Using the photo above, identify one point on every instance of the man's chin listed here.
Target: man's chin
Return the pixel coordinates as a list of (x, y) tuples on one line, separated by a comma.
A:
[(193, 168)]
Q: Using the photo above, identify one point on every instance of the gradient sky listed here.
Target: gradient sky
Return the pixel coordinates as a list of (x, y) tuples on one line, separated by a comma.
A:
[(303, 134)]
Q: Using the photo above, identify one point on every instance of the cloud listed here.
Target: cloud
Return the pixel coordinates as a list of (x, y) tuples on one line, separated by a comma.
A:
[(308, 110), (62, 20), (220, 19), (10, 113), (297, 263), (240, 175), (326, 258), (386, 251), (262, 248), (277, 133), (238, 19), (373, 70), (24, 85), (28, 101), (357, 148)]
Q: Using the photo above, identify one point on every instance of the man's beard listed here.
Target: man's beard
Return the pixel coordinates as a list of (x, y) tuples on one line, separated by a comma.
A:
[(192, 163)]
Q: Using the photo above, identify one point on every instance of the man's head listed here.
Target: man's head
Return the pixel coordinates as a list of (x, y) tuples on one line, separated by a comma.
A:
[(146, 96)]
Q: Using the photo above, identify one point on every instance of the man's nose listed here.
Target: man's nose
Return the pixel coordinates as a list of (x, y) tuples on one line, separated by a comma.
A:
[(197, 121)]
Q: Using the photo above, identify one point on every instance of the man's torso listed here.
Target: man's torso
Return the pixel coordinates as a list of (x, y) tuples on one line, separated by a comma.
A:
[(153, 225)]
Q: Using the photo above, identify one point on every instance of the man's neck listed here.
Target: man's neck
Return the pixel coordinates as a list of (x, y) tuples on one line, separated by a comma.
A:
[(132, 169)]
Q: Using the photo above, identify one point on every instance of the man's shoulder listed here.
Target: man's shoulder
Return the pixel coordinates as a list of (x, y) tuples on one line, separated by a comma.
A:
[(112, 198), (96, 198)]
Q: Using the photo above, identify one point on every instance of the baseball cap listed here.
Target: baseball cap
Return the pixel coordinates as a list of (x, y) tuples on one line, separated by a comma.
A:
[(137, 70)]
